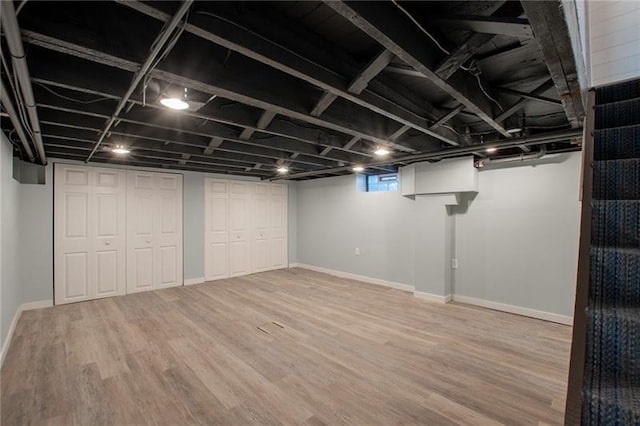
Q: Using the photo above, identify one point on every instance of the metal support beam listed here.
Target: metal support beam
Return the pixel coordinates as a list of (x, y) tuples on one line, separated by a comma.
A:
[(514, 27), (551, 32), (156, 49), (389, 29), (11, 31)]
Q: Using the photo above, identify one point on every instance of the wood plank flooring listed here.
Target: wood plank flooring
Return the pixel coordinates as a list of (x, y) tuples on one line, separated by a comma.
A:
[(283, 347)]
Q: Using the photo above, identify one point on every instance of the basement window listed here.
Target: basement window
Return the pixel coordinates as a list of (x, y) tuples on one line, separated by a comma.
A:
[(385, 182)]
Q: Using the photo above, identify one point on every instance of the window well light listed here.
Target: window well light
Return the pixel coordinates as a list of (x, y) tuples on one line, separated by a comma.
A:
[(120, 149), (282, 169), (358, 169), (381, 151), (492, 149)]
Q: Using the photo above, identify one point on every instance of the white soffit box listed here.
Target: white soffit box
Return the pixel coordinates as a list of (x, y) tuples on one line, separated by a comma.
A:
[(446, 176)]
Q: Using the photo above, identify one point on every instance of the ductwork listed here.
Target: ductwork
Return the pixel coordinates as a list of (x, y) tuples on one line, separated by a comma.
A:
[(19, 60), (488, 162), (531, 140), (13, 116)]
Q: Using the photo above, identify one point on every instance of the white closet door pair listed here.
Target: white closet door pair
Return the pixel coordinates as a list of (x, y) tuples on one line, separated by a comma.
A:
[(115, 232)]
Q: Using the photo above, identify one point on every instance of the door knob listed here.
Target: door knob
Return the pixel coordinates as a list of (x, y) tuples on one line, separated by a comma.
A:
[(148, 241), (108, 243), (238, 236), (261, 234)]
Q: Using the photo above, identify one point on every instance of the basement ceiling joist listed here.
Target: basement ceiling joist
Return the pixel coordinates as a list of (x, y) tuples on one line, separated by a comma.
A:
[(269, 85)]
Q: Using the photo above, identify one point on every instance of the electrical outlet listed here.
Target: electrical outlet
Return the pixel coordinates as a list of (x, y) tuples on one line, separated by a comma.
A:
[(454, 263), (357, 251)]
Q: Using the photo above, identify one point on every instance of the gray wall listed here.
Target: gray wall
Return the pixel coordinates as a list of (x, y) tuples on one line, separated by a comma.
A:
[(334, 218), (10, 289), (516, 241), (36, 203)]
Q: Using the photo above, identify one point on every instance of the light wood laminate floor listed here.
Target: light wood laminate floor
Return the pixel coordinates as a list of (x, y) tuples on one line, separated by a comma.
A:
[(283, 347)]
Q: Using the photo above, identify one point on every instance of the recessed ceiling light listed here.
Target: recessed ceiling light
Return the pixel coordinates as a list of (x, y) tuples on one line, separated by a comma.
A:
[(120, 149), (381, 151), (358, 169), (490, 150), (282, 169), (174, 103)]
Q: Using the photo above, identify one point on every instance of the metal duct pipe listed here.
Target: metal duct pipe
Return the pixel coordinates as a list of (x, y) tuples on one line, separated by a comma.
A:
[(488, 162), (156, 49), (454, 152), (19, 60), (13, 116)]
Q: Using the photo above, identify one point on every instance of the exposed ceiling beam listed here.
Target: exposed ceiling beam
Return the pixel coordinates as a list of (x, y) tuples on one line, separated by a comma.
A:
[(278, 128), (515, 27), (531, 96), (462, 54), (157, 49), (551, 32), (524, 100), (448, 116), (135, 141), (384, 25), (224, 87), (260, 49), (270, 149), (369, 72), (263, 122)]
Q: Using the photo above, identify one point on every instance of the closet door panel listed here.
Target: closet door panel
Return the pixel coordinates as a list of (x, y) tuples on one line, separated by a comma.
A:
[(109, 198), (216, 250), (239, 229), (260, 241), (168, 251), (141, 224)]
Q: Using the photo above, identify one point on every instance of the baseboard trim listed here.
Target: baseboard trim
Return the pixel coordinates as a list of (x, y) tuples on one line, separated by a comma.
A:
[(432, 297), (24, 307), (518, 310), (294, 265), (192, 281), (37, 305), (348, 275)]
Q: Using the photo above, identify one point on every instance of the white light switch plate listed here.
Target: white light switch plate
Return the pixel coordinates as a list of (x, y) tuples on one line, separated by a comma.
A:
[(357, 251)]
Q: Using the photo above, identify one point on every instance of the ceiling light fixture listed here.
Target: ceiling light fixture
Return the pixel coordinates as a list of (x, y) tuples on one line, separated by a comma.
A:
[(176, 103), (120, 149), (492, 149), (282, 169), (381, 152), (358, 169), (514, 130)]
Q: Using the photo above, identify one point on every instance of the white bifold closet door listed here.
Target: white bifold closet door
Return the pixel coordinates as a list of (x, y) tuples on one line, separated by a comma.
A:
[(154, 231), (245, 228), (216, 238), (89, 230), (269, 245)]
